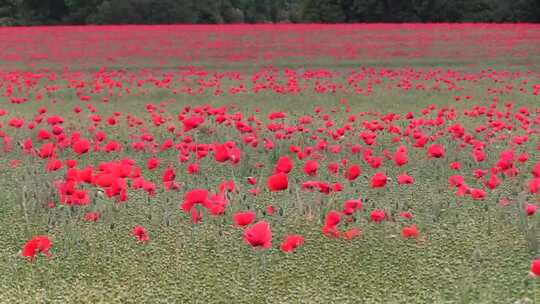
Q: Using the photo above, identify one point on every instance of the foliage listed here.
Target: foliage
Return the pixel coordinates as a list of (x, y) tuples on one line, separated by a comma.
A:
[(30, 12)]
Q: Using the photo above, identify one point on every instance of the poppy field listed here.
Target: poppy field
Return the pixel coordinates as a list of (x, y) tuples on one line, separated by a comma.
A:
[(270, 164)]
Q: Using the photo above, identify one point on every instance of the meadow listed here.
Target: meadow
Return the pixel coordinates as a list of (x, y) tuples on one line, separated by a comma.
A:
[(374, 163)]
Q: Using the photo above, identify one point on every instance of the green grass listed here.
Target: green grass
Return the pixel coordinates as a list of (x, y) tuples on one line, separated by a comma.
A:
[(460, 259)]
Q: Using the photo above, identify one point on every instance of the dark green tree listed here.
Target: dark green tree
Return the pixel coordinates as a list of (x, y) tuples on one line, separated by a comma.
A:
[(34, 12), (324, 11), (208, 11), (42, 11), (9, 12)]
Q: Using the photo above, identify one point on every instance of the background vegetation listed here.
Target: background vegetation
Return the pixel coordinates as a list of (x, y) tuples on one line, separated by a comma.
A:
[(49, 12)]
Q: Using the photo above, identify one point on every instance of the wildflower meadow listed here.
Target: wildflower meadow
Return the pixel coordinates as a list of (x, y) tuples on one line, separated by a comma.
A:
[(361, 163)]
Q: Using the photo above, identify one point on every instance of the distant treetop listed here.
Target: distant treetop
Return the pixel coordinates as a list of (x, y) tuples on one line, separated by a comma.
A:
[(52, 12)]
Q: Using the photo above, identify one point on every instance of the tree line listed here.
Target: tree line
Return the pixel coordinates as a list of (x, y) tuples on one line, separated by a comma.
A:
[(52, 12)]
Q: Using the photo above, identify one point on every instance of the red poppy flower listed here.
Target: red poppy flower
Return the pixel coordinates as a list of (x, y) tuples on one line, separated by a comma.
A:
[(92, 216), (378, 180), (193, 197), (221, 153), (284, 165), (82, 146), (405, 215), (493, 182), (332, 219), (278, 182), (333, 168), (38, 244), (478, 194), (534, 185), (479, 155), (350, 206), (269, 209), (310, 168), (193, 168), (291, 242), (436, 151), (455, 165), (140, 234), (168, 179), (258, 235), (353, 172), (504, 201), (192, 122), (43, 134), (71, 163), (400, 157), (405, 179), (47, 150), (535, 268), (409, 232), (152, 163), (377, 215), (530, 209), (243, 219), (456, 181), (352, 233), (251, 180), (523, 157)]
